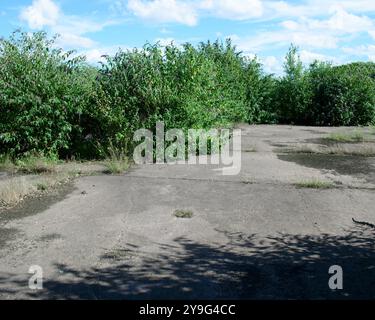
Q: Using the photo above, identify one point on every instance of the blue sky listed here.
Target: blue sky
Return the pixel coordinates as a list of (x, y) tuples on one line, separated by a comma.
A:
[(335, 30)]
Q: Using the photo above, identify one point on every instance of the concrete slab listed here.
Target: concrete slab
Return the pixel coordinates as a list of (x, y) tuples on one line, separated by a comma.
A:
[(252, 236)]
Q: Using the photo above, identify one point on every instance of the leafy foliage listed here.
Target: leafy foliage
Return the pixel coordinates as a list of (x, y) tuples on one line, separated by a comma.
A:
[(41, 95), (324, 95), (293, 92), (341, 96), (185, 87), (53, 104)]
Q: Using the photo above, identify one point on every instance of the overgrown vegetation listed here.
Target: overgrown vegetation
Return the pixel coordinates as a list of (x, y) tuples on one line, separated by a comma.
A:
[(54, 105)]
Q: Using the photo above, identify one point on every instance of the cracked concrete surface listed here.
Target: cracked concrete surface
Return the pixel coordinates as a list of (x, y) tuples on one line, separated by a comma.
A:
[(252, 236)]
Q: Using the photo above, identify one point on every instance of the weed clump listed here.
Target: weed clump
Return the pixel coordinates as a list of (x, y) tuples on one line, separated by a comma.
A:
[(315, 184), (183, 214)]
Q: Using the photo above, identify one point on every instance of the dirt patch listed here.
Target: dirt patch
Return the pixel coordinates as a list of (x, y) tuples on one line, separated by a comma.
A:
[(34, 205), (358, 167)]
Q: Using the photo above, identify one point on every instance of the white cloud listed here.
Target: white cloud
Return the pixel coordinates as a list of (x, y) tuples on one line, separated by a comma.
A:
[(233, 9), (75, 41), (372, 33), (314, 8), (344, 22), (367, 51), (272, 65), (328, 33), (354, 5), (95, 55), (164, 11), (188, 12), (308, 57), (284, 37), (41, 13), (284, 9), (98, 54), (290, 25), (339, 23)]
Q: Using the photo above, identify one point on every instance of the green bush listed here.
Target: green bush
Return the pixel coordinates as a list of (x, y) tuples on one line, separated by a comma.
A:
[(41, 95), (324, 95), (342, 96), (293, 91), (188, 87)]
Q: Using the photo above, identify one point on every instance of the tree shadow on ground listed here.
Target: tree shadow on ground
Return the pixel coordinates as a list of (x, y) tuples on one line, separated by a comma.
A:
[(280, 267)]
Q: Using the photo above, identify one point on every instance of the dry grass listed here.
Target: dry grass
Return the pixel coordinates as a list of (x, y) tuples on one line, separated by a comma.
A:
[(347, 137), (28, 165), (15, 189), (117, 162), (33, 176), (36, 164), (117, 165)]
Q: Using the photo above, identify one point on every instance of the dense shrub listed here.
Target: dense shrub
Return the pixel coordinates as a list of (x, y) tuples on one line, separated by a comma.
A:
[(324, 95), (342, 96), (42, 93), (53, 103), (187, 87), (293, 91), (366, 69)]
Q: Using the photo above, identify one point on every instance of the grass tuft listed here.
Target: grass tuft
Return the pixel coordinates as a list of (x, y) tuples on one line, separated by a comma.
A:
[(183, 214), (315, 184), (116, 162), (42, 186)]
